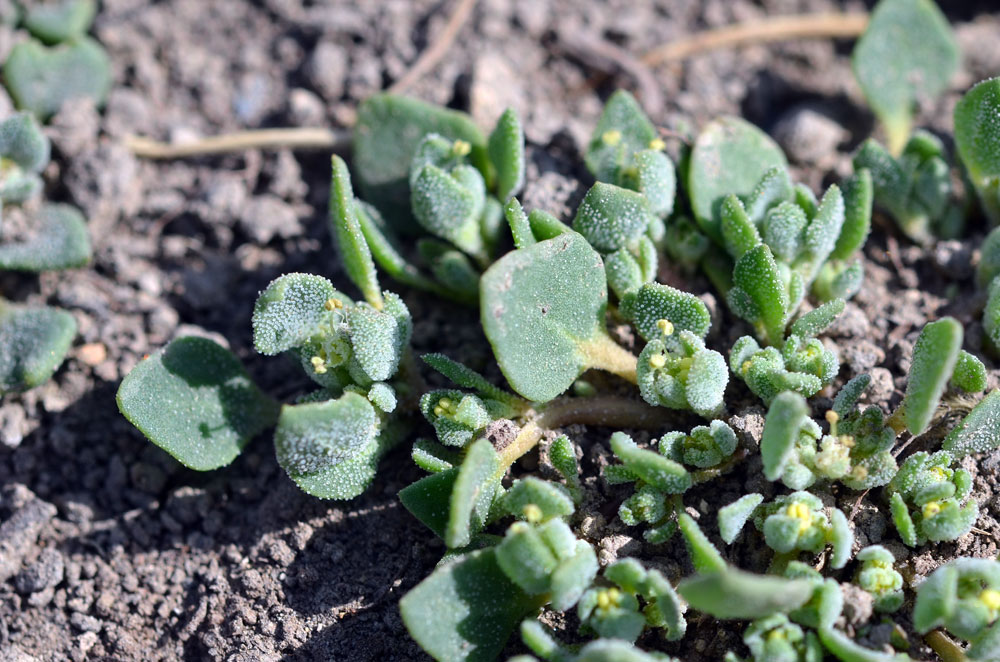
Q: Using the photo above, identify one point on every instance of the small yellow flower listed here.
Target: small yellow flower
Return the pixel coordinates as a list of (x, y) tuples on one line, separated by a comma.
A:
[(991, 599), (532, 513), (657, 361), (666, 327), (612, 137), (657, 144), (333, 304), (461, 148), (801, 512), (931, 508), (318, 364)]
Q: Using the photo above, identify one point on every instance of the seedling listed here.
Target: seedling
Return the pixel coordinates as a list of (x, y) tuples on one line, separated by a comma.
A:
[(330, 442), (614, 611), (452, 190), (915, 187), (62, 63), (907, 53), (33, 339), (793, 523), (963, 596), (929, 499), (878, 576), (976, 137)]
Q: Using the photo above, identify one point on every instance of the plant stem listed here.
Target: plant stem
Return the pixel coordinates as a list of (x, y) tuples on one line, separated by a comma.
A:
[(438, 49), (602, 410), (297, 138), (945, 648), (604, 353), (779, 28)]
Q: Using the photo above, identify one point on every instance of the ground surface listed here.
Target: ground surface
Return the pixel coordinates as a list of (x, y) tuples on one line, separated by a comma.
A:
[(113, 551)]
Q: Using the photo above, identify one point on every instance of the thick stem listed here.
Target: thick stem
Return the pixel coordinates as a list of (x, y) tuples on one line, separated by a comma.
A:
[(945, 648), (604, 353), (603, 410), (779, 28)]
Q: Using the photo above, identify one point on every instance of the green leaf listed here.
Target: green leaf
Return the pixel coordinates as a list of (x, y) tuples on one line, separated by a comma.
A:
[(979, 432), (654, 302), (739, 234), (818, 319), (622, 130), (475, 487), (705, 558), (352, 476), (33, 343), (467, 378), (653, 175), (758, 294), (858, 196), (379, 337), (906, 54), (506, 148), (194, 400), (432, 456), (466, 610), (784, 421), (354, 252), (60, 21), (449, 204), (386, 136), (429, 499), (934, 357), (58, 240), (730, 155), (542, 307), (546, 226), (520, 228), (42, 79), (611, 217), (654, 469), (841, 539), (291, 310), (733, 594), (22, 141), (970, 373), (733, 517), (452, 269), (551, 499), (977, 137), (989, 261), (314, 436)]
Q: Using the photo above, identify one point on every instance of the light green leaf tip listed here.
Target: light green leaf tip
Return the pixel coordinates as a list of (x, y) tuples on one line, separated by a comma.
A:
[(934, 357)]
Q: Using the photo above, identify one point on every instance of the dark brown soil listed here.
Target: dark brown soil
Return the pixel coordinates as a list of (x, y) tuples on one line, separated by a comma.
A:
[(111, 550)]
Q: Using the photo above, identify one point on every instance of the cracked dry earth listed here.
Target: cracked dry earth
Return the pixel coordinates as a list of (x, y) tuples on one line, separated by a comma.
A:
[(110, 550)]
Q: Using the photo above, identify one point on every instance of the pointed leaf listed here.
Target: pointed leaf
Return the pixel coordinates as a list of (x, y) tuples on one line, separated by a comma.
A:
[(979, 432), (622, 130), (475, 486), (354, 251), (934, 358), (736, 595), (506, 148)]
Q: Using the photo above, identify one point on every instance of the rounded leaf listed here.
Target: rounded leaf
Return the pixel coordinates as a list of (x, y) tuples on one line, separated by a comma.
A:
[(42, 79), (730, 156), (318, 435), (291, 310), (194, 399), (611, 217), (539, 305)]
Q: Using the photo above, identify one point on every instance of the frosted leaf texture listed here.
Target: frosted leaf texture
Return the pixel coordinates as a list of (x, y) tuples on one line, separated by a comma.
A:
[(466, 610), (977, 130), (506, 149), (979, 431), (934, 356), (538, 305), (59, 240), (781, 430), (315, 436), (60, 21), (758, 294), (22, 141), (654, 302), (448, 205), (386, 136), (41, 79), (194, 400), (622, 130), (378, 337), (906, 54), (291, 310), (737, 595), (733, 517), (611, 217), (654, 469), (33, 343), (730, 156)]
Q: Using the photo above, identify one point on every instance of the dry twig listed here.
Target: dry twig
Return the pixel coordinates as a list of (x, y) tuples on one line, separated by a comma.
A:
[(437, 50), (299, 138)]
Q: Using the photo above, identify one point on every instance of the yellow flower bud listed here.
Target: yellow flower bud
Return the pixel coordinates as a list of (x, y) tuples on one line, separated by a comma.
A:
[(657, 144), (461, 148), (612, 137), (666, 327)]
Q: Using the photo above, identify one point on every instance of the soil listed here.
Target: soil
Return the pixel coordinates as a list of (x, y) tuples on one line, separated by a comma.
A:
[(109, 549)]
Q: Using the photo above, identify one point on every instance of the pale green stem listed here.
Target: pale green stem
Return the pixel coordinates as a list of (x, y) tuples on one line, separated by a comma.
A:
[(604, 353)]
